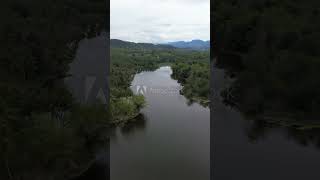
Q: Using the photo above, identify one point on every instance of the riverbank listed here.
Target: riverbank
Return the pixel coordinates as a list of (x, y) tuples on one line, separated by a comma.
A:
[(194, 77), (126, 62), (173, 137)]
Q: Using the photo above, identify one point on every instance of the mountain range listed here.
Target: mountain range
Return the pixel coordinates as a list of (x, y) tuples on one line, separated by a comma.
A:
[(194, 44), (116, 43)]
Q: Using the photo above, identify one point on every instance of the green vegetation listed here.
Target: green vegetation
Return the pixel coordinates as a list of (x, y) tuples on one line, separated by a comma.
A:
[(128, 58), (194, 77), (49, 147), (272, 48), (44, 134), (125, 63)]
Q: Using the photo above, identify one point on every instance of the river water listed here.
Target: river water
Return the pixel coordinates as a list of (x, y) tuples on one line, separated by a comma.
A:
[(171, 139)]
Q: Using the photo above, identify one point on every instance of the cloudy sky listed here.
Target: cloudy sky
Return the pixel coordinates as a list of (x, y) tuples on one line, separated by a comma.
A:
[(159, 21)]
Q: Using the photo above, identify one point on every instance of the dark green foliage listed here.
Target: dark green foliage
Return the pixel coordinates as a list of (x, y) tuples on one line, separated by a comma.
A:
[(39, 41), (54, 148), (195, 80), (38, 139), (273, 47)]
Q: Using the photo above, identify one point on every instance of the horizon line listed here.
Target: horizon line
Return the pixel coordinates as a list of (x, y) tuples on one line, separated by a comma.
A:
[(160, 43)]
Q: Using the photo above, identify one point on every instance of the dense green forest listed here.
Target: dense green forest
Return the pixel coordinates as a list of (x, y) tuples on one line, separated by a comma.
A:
[(272, 48), (44, 133), (128, 58), (194, 77)]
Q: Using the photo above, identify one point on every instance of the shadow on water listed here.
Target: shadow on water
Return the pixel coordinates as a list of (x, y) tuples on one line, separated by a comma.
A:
[(258, 130), (137, 124), (99, 169)]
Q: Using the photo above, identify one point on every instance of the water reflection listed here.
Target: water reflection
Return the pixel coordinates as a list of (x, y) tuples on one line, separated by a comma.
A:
[(258, 131), (99, 169), (137, 124), (305, 137)]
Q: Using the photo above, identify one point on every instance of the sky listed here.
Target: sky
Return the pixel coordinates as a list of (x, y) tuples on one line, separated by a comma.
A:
[(160, 21)]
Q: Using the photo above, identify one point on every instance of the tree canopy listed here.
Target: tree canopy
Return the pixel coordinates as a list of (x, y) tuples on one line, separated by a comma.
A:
[(273, 48)]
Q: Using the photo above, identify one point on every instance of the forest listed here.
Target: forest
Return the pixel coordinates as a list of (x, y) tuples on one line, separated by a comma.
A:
[(271, 47), (44, 132), (128, 58), (194, 77)]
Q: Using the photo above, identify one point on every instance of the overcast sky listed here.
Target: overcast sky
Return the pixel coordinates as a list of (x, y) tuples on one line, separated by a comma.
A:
[(159, 21)]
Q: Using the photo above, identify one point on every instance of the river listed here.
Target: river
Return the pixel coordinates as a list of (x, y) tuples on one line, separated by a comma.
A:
[(171, 140)]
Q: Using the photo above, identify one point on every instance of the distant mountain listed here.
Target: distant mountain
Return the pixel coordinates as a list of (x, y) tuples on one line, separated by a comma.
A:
[(194, 44), (116, 43)]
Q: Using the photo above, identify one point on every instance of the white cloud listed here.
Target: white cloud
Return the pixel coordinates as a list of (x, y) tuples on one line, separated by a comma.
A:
[(159, 21)]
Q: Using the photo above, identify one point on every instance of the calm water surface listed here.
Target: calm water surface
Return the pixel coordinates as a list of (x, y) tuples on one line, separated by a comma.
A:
[(171, 141)]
